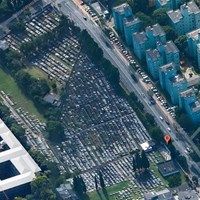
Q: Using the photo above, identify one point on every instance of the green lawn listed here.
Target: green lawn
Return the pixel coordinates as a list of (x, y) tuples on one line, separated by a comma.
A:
[(111, 190), (9, 86), (37, 73)]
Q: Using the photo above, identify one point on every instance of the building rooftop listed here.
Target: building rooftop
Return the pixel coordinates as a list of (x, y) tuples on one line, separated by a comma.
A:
[(140, 37), (156, 29), (195, 35), (170, 47), (97, 7), (17, 157), (177, 15), (130, 21), (187, 93), (188, 195), (191, 7), (153, 54), (163, 2), (168, 67), (178, 79), (121, 8), (168, 168), (161, 195), (195, 106)]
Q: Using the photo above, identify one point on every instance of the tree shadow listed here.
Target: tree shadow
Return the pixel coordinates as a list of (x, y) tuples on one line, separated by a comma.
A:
[(100, 195), (105, 193)]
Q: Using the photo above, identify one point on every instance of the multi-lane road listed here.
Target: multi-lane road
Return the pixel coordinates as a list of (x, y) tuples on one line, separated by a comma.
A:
[(70, 9)]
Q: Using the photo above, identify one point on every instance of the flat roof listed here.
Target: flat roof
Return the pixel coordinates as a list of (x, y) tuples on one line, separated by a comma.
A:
[(121, 8), (189, 194), (177, 15), (153, 54), (168, 67), (195, 35), (156, 29), (130, 21), (19, 157), (170, 47), (188, 93), (140, 37), (168, 168)]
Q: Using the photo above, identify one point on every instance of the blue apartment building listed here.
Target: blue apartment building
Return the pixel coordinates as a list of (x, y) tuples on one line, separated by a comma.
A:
[(177, 85), (119, 13), (193, 41), (185, 19), (168, 4), (189, 103), (131, 25), (166, 72), (147, 40), (164, 54), (154, 61)]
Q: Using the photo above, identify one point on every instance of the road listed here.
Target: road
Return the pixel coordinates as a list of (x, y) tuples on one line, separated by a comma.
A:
[(68, 8)]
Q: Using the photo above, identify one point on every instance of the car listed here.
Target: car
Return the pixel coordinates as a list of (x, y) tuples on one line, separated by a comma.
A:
[(161, 118), (169, 129)]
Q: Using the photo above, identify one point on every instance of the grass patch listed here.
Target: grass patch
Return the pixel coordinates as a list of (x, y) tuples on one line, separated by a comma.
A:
[(154, 168), (36, 73), (111, 190), (9, 86)]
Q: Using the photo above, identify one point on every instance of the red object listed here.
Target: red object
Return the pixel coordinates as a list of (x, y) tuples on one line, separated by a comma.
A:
[(167, 138)]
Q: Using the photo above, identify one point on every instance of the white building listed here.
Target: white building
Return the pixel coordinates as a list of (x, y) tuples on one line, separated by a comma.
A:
[(22, 168)]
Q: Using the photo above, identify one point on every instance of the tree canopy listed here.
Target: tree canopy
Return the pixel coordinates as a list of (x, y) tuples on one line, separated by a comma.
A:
[(55, 131)]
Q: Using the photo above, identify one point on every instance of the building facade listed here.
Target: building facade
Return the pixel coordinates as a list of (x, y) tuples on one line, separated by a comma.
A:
[(154, 61), (185, 19), (193, 41), (148, 40), (166, 72), (177, 85), (164, 54), (168, 4), (119, 13), (189, 103), (131, 25)]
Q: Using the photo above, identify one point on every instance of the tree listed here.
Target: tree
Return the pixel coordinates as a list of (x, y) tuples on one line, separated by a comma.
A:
[(181, 42), (134, 164), (55, 131), (150, 119), (41, 188), (160, 16), (145, 161), (174, 180), (170, 33), (101, 180), (80, 187), (146, 20), (17, 27), (138, 161), (96, 183), (183, 162), (139, 5), (156, 133)]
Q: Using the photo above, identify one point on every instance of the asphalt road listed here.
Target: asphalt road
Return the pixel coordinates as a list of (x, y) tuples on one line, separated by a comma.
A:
[(70, 9)]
